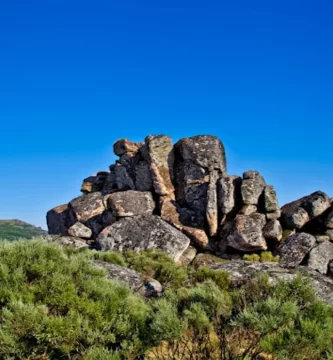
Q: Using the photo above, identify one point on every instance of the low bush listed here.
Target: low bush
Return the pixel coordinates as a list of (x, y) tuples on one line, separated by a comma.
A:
[(54, 304)]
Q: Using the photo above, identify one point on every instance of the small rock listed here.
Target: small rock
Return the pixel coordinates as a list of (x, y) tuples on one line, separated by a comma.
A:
[(273, 215), (94, 183), (329, 233), (131, 278), (131, 203), (187, 257), (322, 238), (80, 230), (295, 248), (68, 241), (207, 260), (124, 146)]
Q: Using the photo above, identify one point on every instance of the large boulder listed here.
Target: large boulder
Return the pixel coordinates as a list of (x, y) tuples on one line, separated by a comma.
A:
[(144, 232), (131, 203), (244, 233), (294, 249), (131, 278), (241, 272), (161, 159), (252, 187), (58, 220), (320, 257), (91, 210), (296, 214), (143, 179), (199, 163)]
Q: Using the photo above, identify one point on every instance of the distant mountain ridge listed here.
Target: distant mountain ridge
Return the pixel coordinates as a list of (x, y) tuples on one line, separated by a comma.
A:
[(17, 229)]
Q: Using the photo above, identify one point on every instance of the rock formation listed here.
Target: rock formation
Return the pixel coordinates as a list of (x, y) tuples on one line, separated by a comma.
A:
[(180, 199)]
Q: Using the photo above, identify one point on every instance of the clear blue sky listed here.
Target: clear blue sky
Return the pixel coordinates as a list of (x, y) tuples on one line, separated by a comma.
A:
[(77, 75)]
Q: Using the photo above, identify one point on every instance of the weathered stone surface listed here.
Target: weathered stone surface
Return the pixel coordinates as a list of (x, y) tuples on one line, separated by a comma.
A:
[(241, 272), (212, 205), (67, 241), (58, 220), (200, 161), (187, 257), (329, 220), (329, 233), (144, 232), (270, 199), (245, 233), (320, 256), (293, 216), (207, 260), (322, 238), (94, 183), (205, 151), (295, 248), (316, 203), (273, 230), (90, 209), (110, 182), (131, 278), (229, 193), (170, 212), (161, 159), (143, 179), (252, 187), (273, 215), (297, 213), (80, 230), (124, 146), (248, 209), (123, 177), (131, 203)]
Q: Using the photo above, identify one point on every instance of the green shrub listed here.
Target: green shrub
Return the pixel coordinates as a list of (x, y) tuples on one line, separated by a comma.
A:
[(264, 256), (251, 257)]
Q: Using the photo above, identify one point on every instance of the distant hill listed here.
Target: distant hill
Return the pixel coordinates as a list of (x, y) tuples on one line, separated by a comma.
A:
[(18, 229)]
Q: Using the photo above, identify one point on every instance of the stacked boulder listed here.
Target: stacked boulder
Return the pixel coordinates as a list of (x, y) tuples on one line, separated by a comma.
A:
[(180, 199)]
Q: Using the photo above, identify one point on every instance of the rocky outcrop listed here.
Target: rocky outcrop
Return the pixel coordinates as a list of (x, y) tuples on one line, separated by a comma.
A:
[(160, 195), (241, 272), (141, 233)]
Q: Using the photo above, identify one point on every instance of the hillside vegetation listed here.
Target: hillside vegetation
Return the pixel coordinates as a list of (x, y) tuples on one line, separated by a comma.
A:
[(54, 304), (17, 229)]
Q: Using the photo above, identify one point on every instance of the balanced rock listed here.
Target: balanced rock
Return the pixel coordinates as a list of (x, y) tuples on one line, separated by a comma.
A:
[(320, 256), (252, 187), (141, 233), (294, 249), (131, 203), (124, 146)]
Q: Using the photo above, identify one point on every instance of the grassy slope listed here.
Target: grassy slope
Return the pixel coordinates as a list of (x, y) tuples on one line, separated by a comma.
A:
[(17, 229)]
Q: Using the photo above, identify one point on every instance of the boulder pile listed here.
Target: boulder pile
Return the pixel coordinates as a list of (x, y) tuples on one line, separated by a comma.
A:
[(180, 199)]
